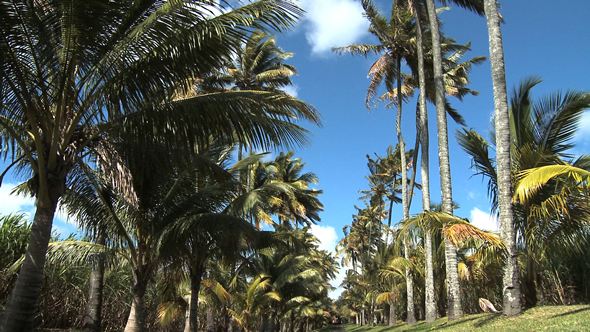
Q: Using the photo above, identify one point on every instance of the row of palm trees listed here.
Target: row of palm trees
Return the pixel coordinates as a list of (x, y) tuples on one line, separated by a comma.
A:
[(402, 39), (127, 114)]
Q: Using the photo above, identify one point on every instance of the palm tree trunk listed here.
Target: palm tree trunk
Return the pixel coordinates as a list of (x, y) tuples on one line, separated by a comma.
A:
[(511, 287), (453, 286), (273, 321), (187, 319), (210, 319), (196, 276), (392, 317), (430, 305), (93, 316), (136, 321), (19, 314), (411, 320)]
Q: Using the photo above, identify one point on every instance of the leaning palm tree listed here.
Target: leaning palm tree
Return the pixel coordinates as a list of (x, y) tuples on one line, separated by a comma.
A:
[(72, 71)]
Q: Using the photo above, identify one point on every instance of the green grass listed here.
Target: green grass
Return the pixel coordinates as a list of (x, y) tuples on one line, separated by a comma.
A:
[(548, 318)]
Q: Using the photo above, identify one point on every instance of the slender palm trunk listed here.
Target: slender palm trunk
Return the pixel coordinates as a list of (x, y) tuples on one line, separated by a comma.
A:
[(187, 320), (196, 275), (430, 305), (19, 314), (92, 320), (453, 286), (411, 320), (392, 316), (210, 319), (136, 321), (273, 321), (511, 289)]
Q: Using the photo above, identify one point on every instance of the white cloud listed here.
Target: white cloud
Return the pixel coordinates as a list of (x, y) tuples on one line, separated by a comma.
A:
[(333, 23), (484, 220), (293, 90), (328, 240), (25, 204), (13, 203), (581, 138), (326, 235)]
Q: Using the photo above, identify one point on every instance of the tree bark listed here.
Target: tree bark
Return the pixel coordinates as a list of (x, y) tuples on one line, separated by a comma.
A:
[(19, 313), (392, 317), (136, 321), (187, 319), (196, 275), (511, 287), (430, 305), (453, 286), (411, 320), (92, 320), (273, 321), (210, 319)]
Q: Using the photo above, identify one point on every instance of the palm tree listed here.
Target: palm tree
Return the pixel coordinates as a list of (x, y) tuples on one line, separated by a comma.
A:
[(259, 65), (512, 305), (397, 44), (175, 217), (454, 296), (299, 204), (540, 135), (63, 90)]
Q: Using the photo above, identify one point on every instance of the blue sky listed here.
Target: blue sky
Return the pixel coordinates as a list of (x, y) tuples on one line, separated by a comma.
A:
[(544, 38)]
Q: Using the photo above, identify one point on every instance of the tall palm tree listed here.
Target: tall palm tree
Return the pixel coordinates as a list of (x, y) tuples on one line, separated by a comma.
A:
[(72, 71), (512, 305), (541, 134), (397, 44), (453, 291), (455, 79)]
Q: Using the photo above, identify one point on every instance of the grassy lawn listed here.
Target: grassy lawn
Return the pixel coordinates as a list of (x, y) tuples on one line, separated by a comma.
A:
[(549, 318)]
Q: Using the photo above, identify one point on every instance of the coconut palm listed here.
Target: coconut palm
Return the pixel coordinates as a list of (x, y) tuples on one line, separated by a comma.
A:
[(512, 305), (541, 134), (298, 205), (174, 215), (259, 65), (397, 44), (455, 80), (73, 71), (454, 296)]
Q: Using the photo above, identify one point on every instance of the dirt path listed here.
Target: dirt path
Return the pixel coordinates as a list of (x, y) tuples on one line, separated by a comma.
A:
[(338, 328)]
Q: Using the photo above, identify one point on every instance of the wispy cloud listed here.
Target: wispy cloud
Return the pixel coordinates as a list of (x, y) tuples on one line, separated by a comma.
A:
[(484, 220), (293, 90), (333, 23)]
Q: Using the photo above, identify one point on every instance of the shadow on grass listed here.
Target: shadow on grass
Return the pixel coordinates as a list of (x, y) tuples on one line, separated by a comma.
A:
[(488, 320), (451, 323), (571, 312)]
